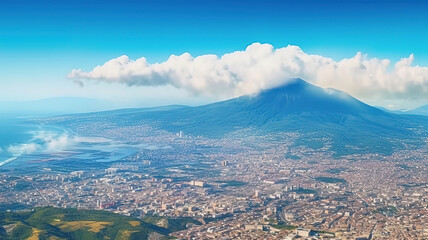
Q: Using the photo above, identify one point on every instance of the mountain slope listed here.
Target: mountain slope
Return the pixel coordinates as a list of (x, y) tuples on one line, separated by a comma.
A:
[(283, 108), (297, 106), (318, 115)]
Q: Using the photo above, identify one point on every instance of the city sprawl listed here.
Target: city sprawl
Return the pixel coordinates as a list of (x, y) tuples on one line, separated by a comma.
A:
[(242, 186)]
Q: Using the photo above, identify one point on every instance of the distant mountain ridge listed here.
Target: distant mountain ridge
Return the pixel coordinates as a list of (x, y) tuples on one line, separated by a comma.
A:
[(422, 110), (52, 106)]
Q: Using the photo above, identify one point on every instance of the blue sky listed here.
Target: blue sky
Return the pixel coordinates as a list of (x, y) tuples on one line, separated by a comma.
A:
[(41, 41)]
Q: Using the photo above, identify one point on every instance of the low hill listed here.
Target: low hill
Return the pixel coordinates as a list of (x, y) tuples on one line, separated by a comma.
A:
[(58, 223)]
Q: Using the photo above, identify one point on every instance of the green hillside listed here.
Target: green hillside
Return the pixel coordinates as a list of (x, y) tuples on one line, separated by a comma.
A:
[(57, 223)]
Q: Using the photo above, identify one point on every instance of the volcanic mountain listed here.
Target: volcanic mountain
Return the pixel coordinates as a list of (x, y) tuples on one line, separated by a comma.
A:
[(293, 106), (314, 113)]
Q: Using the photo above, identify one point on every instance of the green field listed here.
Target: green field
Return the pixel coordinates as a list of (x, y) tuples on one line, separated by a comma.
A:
[(330, 180), (304, 191), (58, 223), (284, 226), (232, 183)]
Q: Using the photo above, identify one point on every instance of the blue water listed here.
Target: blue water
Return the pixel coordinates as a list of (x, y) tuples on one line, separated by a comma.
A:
[(14, 131), (77, 155)]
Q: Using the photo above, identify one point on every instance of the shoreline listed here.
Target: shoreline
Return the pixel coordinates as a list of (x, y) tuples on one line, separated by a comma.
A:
[(9, 160)]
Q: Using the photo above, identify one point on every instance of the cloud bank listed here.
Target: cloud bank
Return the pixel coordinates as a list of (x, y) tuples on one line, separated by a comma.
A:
[(261, 66), (50, 142)]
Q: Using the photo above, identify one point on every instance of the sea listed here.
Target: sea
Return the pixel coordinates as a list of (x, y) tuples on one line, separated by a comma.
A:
[(14, 131), (28, 146)]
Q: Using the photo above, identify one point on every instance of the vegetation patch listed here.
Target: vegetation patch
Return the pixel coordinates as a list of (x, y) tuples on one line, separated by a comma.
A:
[(92, 226), (387, 211), (174, 224), (134, 223), (12, 207), (125, 234), (411, 185), (330, 180), (283, 226), (22, 185), (232, 183), (21, 231), (72, 224), (35, 235)]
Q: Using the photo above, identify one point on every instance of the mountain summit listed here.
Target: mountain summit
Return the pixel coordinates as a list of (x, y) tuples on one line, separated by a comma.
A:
[(295, 105), (299, 96)]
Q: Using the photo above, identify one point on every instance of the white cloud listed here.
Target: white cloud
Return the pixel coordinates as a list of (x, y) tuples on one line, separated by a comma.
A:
[(262, 66), (21, 149), (51, 142)]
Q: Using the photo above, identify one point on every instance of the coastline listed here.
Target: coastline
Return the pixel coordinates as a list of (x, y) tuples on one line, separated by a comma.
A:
[(20, 131), (9, 160)]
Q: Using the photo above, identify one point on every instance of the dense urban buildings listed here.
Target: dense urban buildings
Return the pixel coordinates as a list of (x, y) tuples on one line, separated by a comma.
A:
[(243, 188)]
